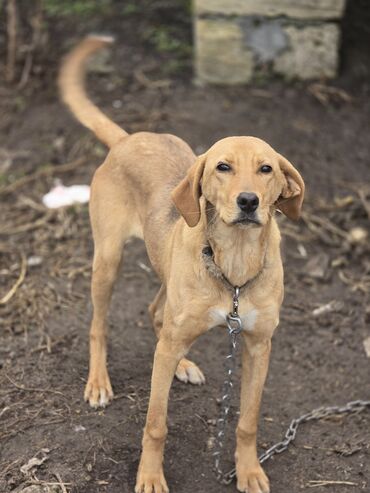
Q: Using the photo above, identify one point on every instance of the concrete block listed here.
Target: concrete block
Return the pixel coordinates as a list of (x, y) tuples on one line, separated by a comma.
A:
[(312, 52), (221, 55), (298, 9)]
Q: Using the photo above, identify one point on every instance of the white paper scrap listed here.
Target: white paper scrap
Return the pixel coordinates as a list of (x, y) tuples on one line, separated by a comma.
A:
[(60, 196)]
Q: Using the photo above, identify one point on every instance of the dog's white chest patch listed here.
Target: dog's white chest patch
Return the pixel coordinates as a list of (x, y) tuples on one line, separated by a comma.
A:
[(249, 319), (217, 316)]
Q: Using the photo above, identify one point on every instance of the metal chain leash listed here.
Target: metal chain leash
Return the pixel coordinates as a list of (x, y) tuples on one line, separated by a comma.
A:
[(319, 413), (234, 326)]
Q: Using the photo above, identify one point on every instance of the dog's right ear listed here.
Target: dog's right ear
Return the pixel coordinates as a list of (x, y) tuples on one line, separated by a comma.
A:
[(187, 193), (291, 198)]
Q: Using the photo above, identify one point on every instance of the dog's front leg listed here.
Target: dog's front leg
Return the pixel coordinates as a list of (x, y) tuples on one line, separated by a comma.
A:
[(150, 475), (250, 475)]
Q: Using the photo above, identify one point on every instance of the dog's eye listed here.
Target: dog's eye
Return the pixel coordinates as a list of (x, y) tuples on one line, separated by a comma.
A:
[(223, 167), (266, 168)]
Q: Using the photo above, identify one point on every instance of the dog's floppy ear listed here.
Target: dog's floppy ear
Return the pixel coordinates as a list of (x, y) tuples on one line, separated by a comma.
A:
[(292, 194), (187, 193)]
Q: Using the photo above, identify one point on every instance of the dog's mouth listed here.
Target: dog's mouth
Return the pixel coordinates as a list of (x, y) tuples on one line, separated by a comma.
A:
[(247, 219), (243, 219)]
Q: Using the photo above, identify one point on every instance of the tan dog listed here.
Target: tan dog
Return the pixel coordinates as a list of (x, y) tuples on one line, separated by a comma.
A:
[(226, 199)]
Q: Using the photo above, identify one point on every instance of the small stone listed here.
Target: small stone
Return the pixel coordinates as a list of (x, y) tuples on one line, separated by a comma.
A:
[(78, 428), (302, 250), (367, 346), (357, 235), (117, 104), (34, 261), (59, 143), (210, 443)]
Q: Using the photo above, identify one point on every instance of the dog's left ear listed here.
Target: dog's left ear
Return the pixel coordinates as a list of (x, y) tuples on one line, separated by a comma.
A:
[(292, 194), (187, 193)]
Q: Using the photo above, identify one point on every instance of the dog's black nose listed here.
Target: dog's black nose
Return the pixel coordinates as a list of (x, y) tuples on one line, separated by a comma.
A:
[(247, 202)]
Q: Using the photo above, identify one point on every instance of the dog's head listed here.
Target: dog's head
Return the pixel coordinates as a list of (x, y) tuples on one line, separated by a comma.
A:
[(243, 178)]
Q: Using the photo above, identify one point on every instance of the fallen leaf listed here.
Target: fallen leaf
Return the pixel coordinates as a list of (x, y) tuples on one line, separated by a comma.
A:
[(317, 266), (35, 462)]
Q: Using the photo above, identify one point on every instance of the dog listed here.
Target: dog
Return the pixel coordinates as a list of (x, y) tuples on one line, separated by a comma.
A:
[(209, 228)]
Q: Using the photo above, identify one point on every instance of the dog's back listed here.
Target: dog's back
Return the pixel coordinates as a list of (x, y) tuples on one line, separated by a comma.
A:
[(140, 170), (151, 164)]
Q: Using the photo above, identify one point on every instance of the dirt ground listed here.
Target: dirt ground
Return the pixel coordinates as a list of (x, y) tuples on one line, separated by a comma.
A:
[(318, 357)]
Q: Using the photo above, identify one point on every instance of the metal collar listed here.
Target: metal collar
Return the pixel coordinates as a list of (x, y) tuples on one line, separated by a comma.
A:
[(215, 271)]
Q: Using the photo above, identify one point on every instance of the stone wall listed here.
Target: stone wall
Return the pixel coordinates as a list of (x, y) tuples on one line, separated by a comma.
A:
[(236, 40)]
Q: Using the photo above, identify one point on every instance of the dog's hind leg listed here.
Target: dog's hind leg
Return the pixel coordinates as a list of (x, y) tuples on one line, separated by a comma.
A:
[(156, 308), (112, 224), (186, 371)]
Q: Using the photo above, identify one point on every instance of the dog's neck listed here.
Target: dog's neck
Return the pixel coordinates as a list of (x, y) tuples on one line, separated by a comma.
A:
[(238, 252)]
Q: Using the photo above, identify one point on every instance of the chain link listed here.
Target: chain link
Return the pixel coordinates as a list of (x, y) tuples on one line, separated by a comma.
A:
[(234, 326)]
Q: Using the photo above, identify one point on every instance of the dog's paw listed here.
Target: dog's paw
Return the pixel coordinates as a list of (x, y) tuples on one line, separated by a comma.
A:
[(151, 483), (187, 371), (98, 390), (252, 480)]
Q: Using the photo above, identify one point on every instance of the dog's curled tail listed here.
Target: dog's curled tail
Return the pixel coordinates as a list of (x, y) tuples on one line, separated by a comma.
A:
[(71, 84)]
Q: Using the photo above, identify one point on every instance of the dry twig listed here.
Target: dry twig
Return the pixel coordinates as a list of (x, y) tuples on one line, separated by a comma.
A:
[(21, 277), (48, 483), (363, 197), (11, 10), (61, 484), (50, 170), (36, 23), (6, 469), (323, 482), (29, 226), (325, 94), (28, 389), (150, 84)]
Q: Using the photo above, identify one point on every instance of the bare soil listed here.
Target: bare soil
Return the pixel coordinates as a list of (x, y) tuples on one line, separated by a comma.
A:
[(316, 360)]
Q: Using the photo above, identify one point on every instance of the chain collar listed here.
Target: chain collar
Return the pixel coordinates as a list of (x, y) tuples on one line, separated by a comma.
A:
[(215, 271)]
